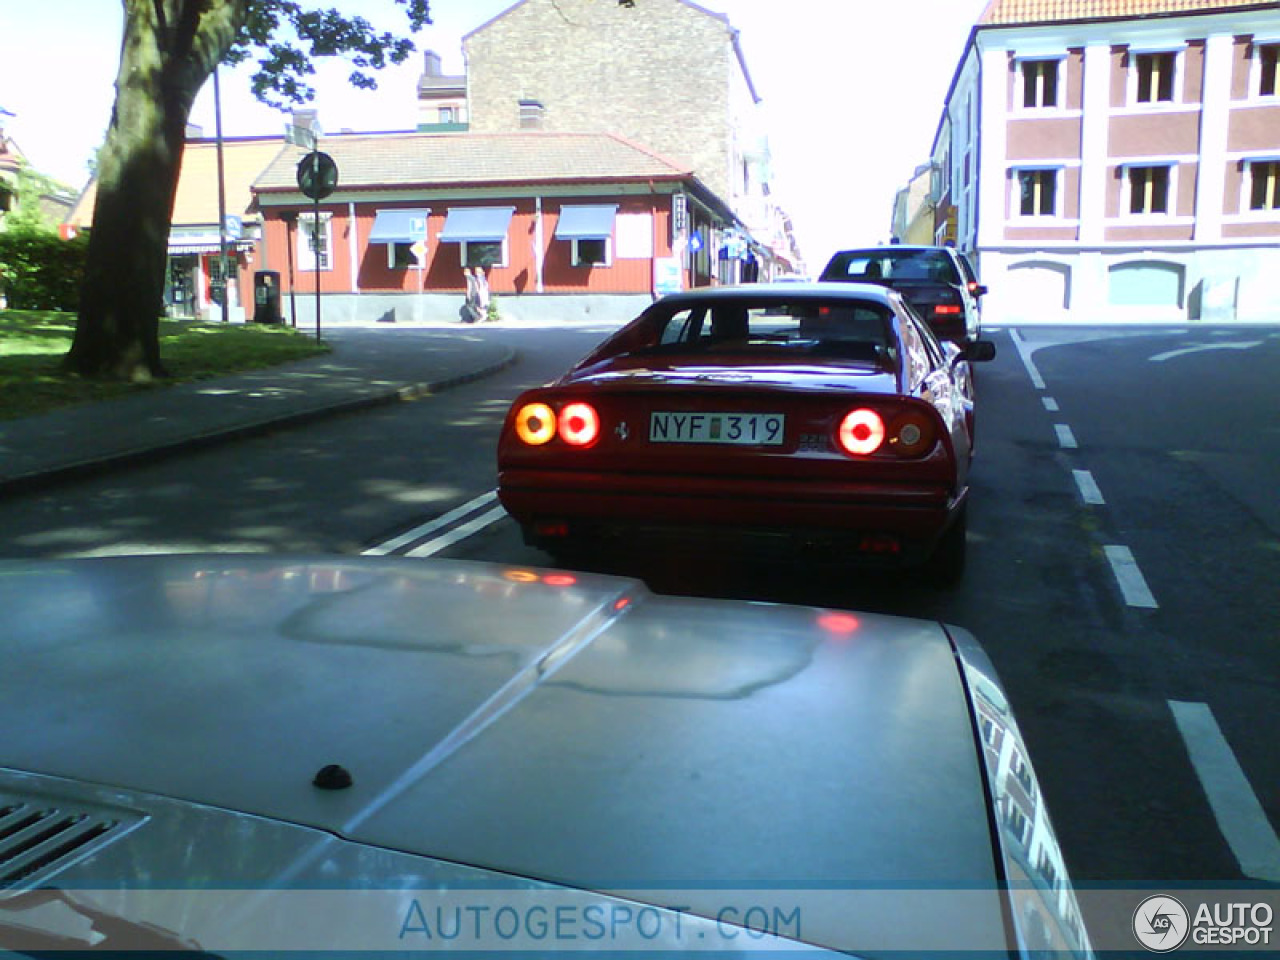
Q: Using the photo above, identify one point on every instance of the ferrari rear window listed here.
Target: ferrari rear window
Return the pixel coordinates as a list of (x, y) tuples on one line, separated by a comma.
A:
[(762, 326)]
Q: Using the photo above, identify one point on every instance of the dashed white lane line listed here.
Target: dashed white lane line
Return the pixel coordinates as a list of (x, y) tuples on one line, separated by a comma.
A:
[(1088, 487), (1050, 404), (426, 529), (437, 544), (1132, 584), (1235, 806), (1024, 352), (1066, 439)]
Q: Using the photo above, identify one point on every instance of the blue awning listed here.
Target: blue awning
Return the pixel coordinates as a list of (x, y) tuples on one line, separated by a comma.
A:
[(399, 226), (586, 223), (477, 224)]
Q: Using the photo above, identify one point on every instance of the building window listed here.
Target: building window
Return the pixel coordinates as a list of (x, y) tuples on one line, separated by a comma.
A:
[(1148, 189), (313, 250), (1264, 185), (484, 253), (1039, 84), (1268, 69), (1038, 193), (447, 115), (591, 252), (1155, 73), (531, 114), (400, 256)]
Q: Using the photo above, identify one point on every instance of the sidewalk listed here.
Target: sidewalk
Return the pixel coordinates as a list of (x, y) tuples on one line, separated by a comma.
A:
[(365, 369)]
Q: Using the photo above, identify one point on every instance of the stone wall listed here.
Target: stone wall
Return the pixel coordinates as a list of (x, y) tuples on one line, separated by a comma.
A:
[(657, 73)]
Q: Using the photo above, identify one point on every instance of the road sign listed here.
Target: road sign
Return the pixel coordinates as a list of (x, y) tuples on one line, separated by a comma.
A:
[(233, 227), (317, 175)]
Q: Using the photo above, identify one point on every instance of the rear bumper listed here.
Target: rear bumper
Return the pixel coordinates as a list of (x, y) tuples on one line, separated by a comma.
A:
[(769, 514)]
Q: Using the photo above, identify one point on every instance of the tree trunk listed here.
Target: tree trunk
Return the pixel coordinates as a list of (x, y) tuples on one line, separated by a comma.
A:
[(170, 49)]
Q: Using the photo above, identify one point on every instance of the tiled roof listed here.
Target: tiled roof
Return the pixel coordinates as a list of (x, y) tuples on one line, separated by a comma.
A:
[(1048, 11), (421, 159), (197, 198)]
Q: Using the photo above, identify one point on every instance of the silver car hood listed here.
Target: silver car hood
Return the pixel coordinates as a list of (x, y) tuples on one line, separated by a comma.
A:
[(567, 728)]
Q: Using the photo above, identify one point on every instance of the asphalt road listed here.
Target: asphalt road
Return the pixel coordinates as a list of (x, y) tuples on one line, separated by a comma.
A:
[(1137, 684)]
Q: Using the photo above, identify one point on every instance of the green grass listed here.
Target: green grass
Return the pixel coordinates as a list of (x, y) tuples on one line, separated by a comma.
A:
[(33, 343)]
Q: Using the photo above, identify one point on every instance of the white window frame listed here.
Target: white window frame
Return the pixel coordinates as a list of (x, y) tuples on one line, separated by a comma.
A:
[(1016, 187), (1255, 70), (307, 259), (1020, 105), (608, 253), (1126, 191), (462, 251), (1179, 55)]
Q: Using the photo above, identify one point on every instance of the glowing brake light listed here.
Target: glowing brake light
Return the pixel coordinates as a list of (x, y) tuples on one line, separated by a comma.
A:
[(535, 424), (862, 432), (948, 309), (579, 424)]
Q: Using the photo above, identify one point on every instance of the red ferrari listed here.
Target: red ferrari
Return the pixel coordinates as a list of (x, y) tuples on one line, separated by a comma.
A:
[(820, 418)]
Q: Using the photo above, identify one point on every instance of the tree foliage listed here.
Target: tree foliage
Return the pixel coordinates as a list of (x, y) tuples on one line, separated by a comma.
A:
[(169, 51)]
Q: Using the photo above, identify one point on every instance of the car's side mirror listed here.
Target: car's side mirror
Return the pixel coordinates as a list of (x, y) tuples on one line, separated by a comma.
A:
[(979, 351)]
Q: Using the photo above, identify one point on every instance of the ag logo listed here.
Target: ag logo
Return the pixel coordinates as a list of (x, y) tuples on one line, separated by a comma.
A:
[(1161, 924)]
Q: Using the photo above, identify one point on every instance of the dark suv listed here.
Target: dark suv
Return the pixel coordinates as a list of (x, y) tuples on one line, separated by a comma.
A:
[(938, 282)]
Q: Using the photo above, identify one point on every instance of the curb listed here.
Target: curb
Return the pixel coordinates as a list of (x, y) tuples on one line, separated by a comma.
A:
[(161, 451)]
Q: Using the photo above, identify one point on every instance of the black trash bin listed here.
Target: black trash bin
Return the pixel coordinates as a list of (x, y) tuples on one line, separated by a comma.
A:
[(266, 297)]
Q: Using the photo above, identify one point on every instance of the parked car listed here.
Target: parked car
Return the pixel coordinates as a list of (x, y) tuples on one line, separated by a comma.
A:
[(268, 756), (816, 418), (938, 282)]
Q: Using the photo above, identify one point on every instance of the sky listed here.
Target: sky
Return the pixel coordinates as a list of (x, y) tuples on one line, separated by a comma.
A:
[(851, 92)]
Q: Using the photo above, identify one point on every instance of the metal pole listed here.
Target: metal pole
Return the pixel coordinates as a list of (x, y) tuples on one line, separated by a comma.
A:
[(222, 199), (316, 241)]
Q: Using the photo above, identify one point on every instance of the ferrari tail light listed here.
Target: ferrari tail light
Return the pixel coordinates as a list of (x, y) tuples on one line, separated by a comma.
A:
[(535, 424), (906, 433), (579, 424), (912, 434), (861, 432)]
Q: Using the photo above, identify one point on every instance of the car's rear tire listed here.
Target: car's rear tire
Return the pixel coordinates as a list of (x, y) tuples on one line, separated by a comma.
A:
[(945, 566)]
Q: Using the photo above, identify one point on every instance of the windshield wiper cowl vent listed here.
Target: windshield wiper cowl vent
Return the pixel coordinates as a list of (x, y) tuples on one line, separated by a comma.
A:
[(41, 836)]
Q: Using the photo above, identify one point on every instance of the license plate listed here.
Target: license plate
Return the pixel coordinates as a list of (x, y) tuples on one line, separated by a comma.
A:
[(755, 429)]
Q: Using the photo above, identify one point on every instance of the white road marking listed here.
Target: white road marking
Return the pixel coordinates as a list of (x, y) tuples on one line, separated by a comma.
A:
[(1066, 439), (1024, 352), (1235, 806), (1132, 584), (1089, 491), (1204, 347), (437, 544), (1050, 404), (426, 529)]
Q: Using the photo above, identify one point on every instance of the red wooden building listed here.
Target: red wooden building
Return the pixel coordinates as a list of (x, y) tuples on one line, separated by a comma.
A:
[(543, 213)]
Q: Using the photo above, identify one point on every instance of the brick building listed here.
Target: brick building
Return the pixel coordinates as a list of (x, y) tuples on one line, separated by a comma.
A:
[(666, 74), (1118, 159)]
